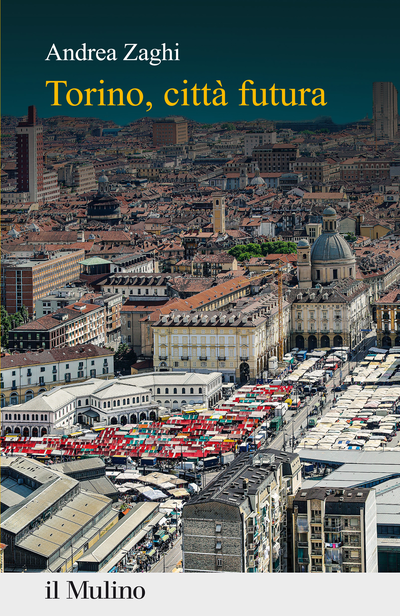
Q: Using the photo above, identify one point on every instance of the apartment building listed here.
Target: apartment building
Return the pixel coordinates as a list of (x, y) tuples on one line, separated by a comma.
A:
[(80, 177), (238, 522), (23, 281), (24, 375), (364, 169), (170, 131), (136, 287), (335, 531), (317, 168), (112, 304), (233, 342), (278, 157), (252, 140), (77, 323), (58, 299), (211, 265)]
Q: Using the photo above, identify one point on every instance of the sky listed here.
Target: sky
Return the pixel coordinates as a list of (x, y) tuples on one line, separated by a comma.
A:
[(342, 48)]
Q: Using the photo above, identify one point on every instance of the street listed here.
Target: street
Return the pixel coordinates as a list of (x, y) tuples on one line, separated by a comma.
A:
[(296, 422), (170, 559)]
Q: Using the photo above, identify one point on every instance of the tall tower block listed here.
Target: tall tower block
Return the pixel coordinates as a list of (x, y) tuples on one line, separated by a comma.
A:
[(30, 155), (218, 213)]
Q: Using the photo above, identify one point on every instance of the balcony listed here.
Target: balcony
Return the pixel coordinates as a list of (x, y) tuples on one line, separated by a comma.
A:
[(185, 358), (244, 358), (162, 357), (221, 358), (316, 519), (316, 552), (333, 528), (304, 560), (302, 544), (316, 536), (203, 358)]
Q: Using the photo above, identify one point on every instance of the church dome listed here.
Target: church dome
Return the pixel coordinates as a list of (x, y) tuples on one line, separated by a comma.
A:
[(329, 211), (330, 247), (257, 180)]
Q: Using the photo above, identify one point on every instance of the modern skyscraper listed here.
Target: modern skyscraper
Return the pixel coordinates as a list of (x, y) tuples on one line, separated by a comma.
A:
[(385, 110), (30, 155)]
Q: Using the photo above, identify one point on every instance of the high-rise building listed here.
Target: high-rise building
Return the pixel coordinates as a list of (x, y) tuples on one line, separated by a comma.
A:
[(30, 155), (385, 110), (218, 213), (170, 131), (33, 183)]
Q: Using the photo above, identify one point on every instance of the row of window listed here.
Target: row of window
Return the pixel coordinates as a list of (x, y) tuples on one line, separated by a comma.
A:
[(25, 417), (175, 390)]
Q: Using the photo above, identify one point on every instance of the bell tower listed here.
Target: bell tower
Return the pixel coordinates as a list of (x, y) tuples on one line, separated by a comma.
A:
[(218, 213), (304, 264)]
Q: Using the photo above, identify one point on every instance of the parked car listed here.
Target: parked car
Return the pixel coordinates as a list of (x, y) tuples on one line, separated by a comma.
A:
[(338, 388)]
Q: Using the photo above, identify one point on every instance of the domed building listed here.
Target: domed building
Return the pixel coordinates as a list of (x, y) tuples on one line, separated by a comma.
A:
[(330, 308), (104, 207), (257, 180), (329, 259)]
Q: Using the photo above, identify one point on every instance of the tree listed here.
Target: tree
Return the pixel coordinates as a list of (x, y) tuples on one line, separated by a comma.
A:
[(350, 237), (5, 327), (244, 252)]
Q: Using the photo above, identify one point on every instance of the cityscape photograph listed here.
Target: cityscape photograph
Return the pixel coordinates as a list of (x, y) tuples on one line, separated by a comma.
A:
[(200, 319)]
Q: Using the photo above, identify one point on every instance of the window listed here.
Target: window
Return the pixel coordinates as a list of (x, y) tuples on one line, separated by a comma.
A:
[(67, 377), (158, 390), (183, 390), (92, 362), (218, 545), (129, 324), (218, 528), (219, 562), (175, 390), (191, 390), (166, 390), (93, 373), (200, 390), (334, 274)]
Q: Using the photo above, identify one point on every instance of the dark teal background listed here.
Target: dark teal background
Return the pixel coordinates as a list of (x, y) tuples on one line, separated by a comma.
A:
[(342, 47)]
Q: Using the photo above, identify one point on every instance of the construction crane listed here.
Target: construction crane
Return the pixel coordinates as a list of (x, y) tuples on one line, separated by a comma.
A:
[(277, 270)]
